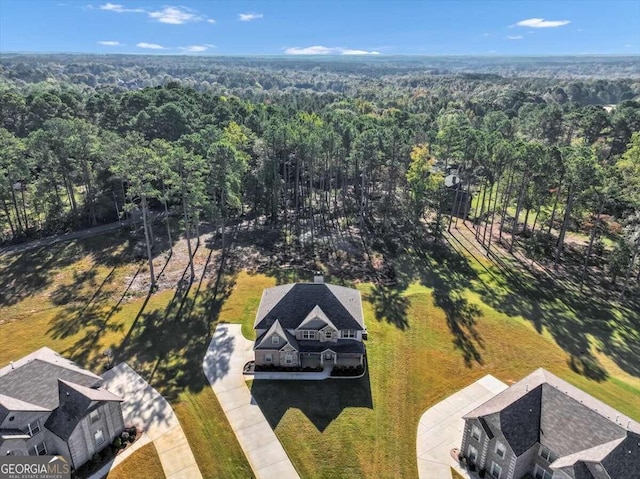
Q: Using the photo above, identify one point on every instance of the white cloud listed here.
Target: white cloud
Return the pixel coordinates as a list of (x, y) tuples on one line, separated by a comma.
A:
[(541, 23), (514, 37), (170, 15), (113, 7), (175, 16), (320, 50), (348, 51), (197, 48), (110, 43), (151, 46), (248, 17)]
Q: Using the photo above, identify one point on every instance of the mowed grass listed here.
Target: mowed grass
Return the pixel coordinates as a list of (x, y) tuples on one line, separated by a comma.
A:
[(72, 307), (142, 463), (427, 340)]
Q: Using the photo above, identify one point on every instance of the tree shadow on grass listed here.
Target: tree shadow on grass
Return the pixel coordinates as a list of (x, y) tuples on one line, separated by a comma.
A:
[(321, 401), (167, 345), (574, 319), (389, 305)]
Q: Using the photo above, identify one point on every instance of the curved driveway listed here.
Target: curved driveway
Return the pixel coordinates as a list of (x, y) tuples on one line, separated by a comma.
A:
[(441, 427), (223, 363), (146, 409)]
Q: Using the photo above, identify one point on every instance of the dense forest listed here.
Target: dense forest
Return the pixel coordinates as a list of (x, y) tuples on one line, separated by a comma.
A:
[(395, 150)]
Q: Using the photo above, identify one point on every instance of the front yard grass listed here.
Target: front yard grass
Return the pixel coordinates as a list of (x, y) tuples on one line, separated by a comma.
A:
[(142, 463), (439, 329)]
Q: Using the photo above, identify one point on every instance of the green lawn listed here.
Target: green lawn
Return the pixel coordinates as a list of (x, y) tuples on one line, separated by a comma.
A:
[(142, 463), (446, 324)]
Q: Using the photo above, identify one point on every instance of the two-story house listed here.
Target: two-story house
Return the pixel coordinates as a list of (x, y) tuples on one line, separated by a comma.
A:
[(51, 406), (310, 325), (545, 428)]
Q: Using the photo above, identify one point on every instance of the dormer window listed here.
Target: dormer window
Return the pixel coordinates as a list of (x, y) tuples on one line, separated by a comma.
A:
[(328, 334), (349, 334), (275, 339), (308, 335)]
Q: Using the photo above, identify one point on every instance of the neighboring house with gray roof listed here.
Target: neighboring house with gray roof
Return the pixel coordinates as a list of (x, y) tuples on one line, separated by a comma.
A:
[(49, 405), (545, 428), (310, 325)]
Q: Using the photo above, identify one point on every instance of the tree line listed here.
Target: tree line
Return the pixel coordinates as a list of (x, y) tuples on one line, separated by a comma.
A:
[(533, 167)]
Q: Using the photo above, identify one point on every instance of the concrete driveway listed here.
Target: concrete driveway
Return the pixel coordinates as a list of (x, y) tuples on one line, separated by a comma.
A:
[(223, 363), (440, 428), (146, 409)]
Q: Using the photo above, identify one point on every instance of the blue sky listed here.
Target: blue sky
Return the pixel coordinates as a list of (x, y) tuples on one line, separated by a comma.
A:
[(329, 27)]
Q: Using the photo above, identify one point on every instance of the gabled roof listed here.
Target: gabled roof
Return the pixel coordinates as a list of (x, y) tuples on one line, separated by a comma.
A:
[(594, 454), (76, 402), (292, 303), (580, 429), (8, 404), (276, 328), (316, 314), (36, 382), (34, 378)]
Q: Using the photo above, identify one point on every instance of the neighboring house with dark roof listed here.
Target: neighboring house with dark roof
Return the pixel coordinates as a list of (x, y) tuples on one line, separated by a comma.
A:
[(310, 325), (49, 405), (545, 427)]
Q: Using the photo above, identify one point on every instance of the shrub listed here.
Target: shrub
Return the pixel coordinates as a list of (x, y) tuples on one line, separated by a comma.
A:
[(95, 458), (117, 443)]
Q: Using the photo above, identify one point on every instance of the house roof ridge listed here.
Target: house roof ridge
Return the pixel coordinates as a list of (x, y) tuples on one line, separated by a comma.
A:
[(596, 453)]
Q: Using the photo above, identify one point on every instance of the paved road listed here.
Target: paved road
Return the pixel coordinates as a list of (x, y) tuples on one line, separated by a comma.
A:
[(441, 427), (146, 409), (228, 352), (96, 230)]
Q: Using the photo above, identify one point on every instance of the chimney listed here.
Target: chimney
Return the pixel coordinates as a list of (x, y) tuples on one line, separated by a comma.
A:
[(318, 278)]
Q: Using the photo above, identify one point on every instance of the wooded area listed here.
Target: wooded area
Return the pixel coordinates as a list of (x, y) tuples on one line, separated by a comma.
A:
[(311, 149)]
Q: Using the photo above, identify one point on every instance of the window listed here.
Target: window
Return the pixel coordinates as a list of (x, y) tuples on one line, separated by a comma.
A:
[(288, 358), (308, 335), (34, 427), (268, 358), (472, 453), (475, 433), (349, 334), (496, 470), (328, 334), (541, 473), (275, 339), (40, 449), (500, 449), (99, 437), (95, 415), (546, 454)]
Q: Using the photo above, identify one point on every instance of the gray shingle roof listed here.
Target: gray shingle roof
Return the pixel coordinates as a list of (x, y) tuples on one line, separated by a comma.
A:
[(574, 425), (291, 303), (75, 403), (276, 328), (36, 382)]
